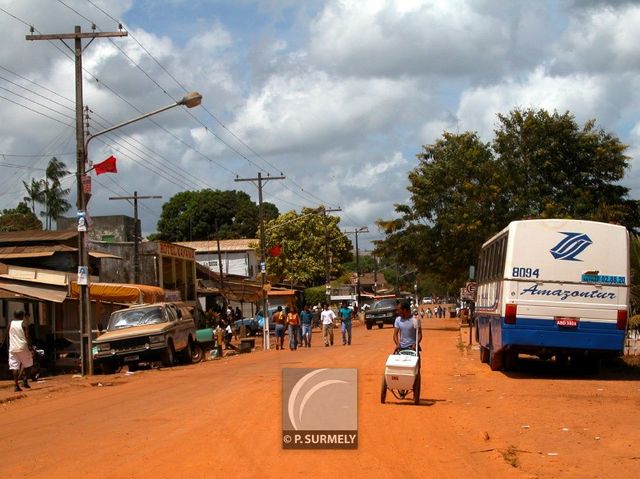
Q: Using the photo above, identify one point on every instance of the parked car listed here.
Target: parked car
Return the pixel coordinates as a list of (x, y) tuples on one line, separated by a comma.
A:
[(260, 319), (251, 326), (146, 333), (382, 312), (427, 300)]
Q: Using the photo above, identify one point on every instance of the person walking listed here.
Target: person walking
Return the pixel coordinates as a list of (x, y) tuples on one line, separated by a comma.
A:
[(293, 322), (306, 319), (327, 317), (20, 356), (346, 315), (278, 319)]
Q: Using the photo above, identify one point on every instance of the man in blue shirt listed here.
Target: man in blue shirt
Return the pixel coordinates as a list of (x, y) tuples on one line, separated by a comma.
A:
[(345, 314), (406, 328), (306, 318)]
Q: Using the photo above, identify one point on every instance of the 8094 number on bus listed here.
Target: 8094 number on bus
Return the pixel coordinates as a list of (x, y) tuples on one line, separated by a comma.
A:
[(518, 272)]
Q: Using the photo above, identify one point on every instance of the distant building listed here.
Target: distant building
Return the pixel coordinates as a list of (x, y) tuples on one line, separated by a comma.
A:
[(237, 256)]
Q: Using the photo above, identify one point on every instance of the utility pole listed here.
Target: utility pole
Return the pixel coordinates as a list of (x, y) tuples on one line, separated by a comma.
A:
[(327, 276), (263, 254), (136, 228), (363, 229), (84, 302)]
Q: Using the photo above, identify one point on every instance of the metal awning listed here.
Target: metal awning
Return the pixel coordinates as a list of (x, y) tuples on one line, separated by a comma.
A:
[(100, 254), (57, 295), (38, 254)]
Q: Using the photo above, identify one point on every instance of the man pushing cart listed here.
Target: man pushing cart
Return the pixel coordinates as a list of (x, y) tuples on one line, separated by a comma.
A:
[(402, 370)]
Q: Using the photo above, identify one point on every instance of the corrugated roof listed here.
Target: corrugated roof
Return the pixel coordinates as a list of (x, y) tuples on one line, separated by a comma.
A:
[(57, 295), (36, 236), (225, 245), (34, 251)]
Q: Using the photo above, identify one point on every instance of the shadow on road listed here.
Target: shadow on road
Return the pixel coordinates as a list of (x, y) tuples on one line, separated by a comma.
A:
[(533, 368)]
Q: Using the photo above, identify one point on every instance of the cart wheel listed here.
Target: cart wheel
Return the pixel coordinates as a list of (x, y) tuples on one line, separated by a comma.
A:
[(416, 390), (383, 390)]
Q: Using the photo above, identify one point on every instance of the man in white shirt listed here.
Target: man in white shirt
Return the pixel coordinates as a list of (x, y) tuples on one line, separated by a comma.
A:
[(327, 317), (20, 356)]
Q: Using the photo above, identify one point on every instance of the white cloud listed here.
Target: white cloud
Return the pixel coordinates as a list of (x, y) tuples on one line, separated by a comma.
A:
[(315, 110), (581, 94), (396, 38)]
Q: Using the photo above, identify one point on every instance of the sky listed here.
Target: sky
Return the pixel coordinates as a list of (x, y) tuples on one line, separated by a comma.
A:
[(337, 96)]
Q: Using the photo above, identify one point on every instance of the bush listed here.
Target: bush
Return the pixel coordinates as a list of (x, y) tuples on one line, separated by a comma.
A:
[(315, 295)]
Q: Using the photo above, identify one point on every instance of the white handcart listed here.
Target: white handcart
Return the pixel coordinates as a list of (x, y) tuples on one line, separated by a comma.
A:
[(402, 375)]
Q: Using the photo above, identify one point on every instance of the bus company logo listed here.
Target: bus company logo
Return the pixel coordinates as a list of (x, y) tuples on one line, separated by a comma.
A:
[(571, 246), (319, 408)]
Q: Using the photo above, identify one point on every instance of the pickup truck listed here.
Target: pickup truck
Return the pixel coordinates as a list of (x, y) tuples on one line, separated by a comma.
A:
[(382, 312), (146, 333)]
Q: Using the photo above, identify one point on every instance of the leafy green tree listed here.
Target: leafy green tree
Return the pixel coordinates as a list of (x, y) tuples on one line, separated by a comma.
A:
[(464, 191), (206, 214), (20, 218), (456, 204), (302, 239), (561, 170)]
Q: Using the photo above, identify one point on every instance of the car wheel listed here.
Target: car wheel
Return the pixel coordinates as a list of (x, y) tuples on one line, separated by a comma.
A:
[(380, 326), (197, 353), (187, 354), (383, 390), (369, 326), (168, 356), (510, 360)]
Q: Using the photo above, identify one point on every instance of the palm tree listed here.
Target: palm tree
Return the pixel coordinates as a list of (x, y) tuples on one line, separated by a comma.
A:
[(55, 201), (35, 193)]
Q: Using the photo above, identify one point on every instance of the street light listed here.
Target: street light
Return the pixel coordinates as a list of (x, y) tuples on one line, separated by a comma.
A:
[(190, 100)]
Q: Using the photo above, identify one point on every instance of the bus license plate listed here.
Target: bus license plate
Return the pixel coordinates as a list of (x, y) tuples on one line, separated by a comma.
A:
[(566, 322), (131, 358)]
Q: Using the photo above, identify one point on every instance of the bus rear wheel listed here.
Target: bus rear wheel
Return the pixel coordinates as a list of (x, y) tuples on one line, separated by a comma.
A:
[(484, 355), (495, 358)]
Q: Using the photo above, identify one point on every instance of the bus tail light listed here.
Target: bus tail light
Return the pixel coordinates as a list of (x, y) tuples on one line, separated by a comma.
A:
[(510, 313), (622, 319)]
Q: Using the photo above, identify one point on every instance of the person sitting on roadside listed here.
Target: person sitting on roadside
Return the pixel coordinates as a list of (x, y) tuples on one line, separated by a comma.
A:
[(406, 329)]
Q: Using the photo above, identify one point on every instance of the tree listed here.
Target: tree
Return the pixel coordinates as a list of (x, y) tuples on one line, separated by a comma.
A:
[(20, 218), (456, 202), (35, 193), (302, 239), (207, 214), (463, 191), (558, 169), (49, 192)]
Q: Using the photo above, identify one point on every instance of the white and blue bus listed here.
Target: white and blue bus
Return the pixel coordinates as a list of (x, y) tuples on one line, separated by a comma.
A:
[(553, 288)]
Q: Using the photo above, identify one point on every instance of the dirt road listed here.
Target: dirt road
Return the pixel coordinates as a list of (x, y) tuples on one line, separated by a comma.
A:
[(223, 418)]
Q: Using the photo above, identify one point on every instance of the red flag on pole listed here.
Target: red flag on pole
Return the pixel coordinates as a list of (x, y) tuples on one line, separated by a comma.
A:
[(107, 166)]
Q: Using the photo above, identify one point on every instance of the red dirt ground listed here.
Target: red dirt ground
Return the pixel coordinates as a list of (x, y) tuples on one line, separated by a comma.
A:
[(223, 418)]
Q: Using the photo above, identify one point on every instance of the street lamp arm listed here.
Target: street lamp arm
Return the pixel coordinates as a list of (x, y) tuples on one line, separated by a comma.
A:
[(190, 100)]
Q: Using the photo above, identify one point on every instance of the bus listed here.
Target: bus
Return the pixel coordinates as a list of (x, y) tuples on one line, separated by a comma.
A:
[(553, 288)]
